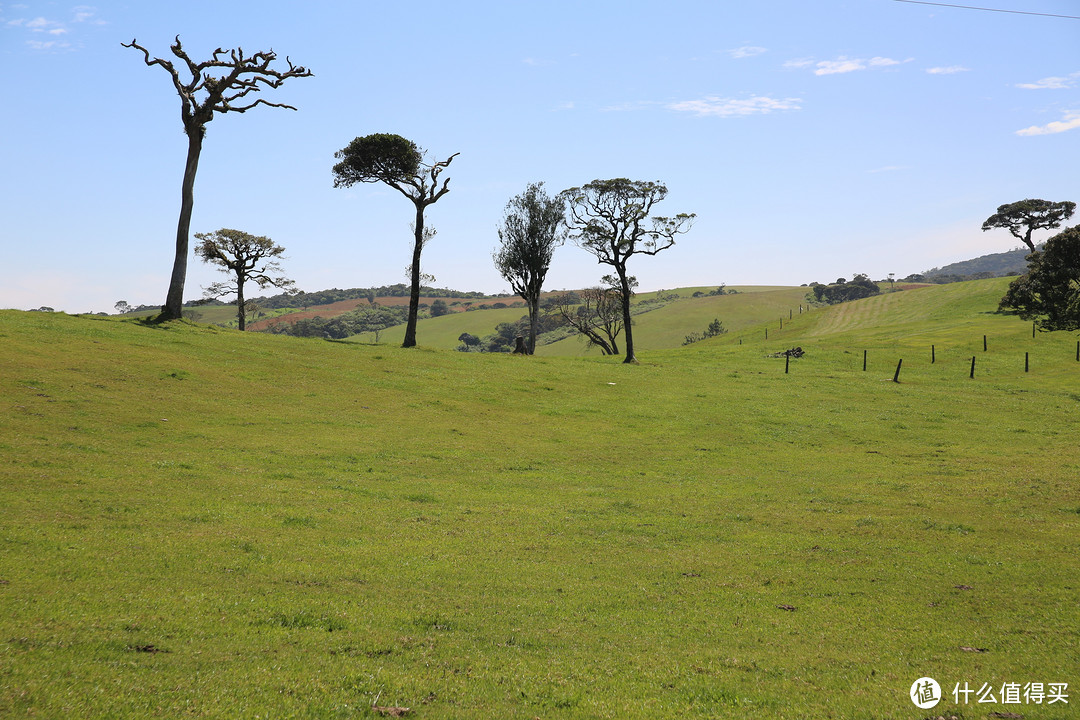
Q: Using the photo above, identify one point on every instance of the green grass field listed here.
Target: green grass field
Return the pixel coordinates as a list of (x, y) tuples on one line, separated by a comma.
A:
[(198, 522)]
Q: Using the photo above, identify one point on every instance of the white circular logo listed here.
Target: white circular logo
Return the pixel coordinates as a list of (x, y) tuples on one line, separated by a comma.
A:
[(925, 693)]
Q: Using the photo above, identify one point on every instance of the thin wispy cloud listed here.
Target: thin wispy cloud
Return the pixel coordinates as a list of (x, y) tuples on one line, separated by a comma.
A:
[(1052, 83), (713, 106), (746, 51), (41, 26), (949, 70), (1071, 121), (842, 64)]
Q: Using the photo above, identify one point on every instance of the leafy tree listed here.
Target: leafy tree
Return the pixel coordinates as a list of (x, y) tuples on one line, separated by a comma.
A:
[(611, 219), (1049, 293), (468, 341), (532, 227), (217, 85), (1024, 217), (843, 291), (122, 307), (596, 313), (247, 258), (399, 163), (439, 308)]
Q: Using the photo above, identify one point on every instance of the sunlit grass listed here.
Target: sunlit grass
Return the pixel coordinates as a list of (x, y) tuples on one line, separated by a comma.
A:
[(201, 522)]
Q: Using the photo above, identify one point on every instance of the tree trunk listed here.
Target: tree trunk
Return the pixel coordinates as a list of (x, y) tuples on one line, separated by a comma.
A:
[(241, 313), (534, 321), (625, 283), (174, 301), (414, 292)]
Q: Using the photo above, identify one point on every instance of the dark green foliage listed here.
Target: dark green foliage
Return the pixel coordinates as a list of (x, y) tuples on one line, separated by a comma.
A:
[(439, 308), (468, 341), (860, 286), (1049, 294), (381, 157)]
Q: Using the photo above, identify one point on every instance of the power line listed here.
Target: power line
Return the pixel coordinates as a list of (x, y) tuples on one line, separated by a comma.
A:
[(971, 7)]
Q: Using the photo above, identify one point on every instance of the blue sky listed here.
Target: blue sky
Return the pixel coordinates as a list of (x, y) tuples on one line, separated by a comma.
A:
[(812, 140)]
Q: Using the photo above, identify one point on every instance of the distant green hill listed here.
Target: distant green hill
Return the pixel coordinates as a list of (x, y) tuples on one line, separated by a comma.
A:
[(1012, 262)]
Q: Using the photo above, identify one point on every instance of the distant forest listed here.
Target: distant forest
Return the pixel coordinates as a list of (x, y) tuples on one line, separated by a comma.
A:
[(333, 295), (1013, 262)]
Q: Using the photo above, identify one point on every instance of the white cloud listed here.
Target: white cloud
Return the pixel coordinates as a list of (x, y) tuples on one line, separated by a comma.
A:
[(746, 51), (839, 66), (733, 107), (843, 64), (1051, 83), (950, 70), (1070, 122)]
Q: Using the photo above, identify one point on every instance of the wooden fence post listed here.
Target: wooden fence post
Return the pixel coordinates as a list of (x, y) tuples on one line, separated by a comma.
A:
[(864, 361), (984, 343), (933, 356), (972, 367), (896, 375), (1026, 365), (787, 363)]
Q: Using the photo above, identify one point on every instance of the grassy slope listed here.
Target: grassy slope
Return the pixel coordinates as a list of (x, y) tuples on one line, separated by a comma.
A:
[(665, 327), (299, 528)]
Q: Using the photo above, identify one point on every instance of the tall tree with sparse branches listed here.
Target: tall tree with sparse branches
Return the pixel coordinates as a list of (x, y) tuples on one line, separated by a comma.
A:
[(1022, 218), (612, 220), (532, 227), (218, 85), (247, 258), (398, 163)]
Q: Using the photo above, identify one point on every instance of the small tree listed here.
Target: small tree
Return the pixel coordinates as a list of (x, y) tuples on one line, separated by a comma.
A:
[(217, 85), (122, 307), (532, 228), (611, 219), (246, 258), (1024, 217), (399, 163), (439, 308), (1049, 293)]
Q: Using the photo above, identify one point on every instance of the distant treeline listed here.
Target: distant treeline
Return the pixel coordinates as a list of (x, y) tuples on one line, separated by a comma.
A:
[(365, 319), (333, 295)]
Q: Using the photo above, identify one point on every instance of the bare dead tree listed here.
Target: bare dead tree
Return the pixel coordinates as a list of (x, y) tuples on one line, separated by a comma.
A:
[(596, 313), (219, 85)]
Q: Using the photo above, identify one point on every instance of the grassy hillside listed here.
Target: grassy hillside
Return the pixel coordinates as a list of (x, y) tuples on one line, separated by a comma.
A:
[(201, 522), (666, 327)]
